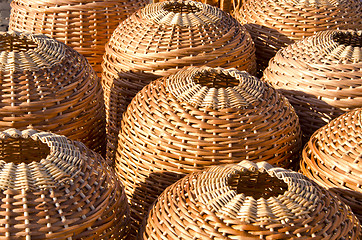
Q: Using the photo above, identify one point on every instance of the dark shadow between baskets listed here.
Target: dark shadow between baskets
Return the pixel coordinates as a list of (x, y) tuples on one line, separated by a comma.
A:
[(351, 198)]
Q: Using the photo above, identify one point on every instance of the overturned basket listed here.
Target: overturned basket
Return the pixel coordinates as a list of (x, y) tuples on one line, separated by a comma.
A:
[(55, 188), (49, 86), (320, 75), (248, 201), (196, 118), (332, 158)]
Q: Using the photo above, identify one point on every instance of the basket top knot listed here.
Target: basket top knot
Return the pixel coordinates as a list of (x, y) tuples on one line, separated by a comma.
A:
[(215, 88)]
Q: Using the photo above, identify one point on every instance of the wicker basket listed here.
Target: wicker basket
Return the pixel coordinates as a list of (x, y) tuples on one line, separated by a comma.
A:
[(332, 158), (55, 188), (84, 25), (321, 76), (248, 201), (4, 14), (158, 41), (274, 24), (225, 5), (51, 87), (196, 118)]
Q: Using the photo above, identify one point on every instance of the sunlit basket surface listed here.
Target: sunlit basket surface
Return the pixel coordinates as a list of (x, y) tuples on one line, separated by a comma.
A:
[(225, 5), (321, 76), (83, 25), (332, 158), (275, 23), (196, 118), (248, 201), (55, 188), (160, 39), (51, 87)]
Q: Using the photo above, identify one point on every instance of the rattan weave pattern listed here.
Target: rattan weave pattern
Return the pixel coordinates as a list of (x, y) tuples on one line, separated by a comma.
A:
[(55, 188), (50, 87), (196, 118), (84, 25), (333, 158), (225, 5), (274, 24), (320, 75), (216, 204)]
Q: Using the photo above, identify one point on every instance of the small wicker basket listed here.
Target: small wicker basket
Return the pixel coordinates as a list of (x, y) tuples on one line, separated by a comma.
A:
[(55, 188), (248, 201), (332, 158), (84, 25), (51, 87), (321, 76), (196, 118)]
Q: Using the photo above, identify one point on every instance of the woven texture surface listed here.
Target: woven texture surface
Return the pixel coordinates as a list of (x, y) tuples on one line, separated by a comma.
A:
[(332, 158), (225, 5), (215, 204), (196, 118), (160, 39), (56, 188), (275, 23), (84, 25), (51, 87), (321, 76)]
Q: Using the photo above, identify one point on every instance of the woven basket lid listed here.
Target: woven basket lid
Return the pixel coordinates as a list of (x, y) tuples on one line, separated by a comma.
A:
[(55, 188), (332, 158), (196, 118), (49, 86), (320, 75), (248, 201)]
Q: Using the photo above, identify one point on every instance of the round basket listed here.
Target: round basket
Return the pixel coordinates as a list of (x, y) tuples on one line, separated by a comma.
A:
[(196, 118), (321, 76), (274, 24), (84, 25), (159, 40), (55, 188), (248, 201), (332, 158), (4, 14), (49, 86), (225, 5)]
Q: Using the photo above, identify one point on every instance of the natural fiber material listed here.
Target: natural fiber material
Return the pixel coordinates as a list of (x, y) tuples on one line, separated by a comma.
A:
[(321, 76), (159, 40), (4, 14), (274, 24), (49, 86), (55, 188), (332, 158), (248, 201), (83, 25), (225, 5), (196, 118)]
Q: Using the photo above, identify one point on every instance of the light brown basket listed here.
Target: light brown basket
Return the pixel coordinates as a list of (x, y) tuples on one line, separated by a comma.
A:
[(4, 14), (321, 76), (49, 86), (332, 158), (225, 5), (84, 25), (274, 24), (55, 188), (160, 39), (248, 201), (196, 118)]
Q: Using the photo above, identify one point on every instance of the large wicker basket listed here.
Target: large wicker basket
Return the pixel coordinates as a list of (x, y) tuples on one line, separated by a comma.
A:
[(225, 5), (49, 86), (248, 201), (321, 76), (55, 188), (196, 118), (85, 25), (160, 39), (274, 24), (332, 158)]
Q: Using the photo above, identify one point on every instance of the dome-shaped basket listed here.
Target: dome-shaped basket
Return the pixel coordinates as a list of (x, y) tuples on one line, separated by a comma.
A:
[(50, 87), (196, 118), (274, 24), (248, 201), (225, 5), (84, 25), (4, 14), (333, 158), (55, 188), (160, 39), (321, 76)]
